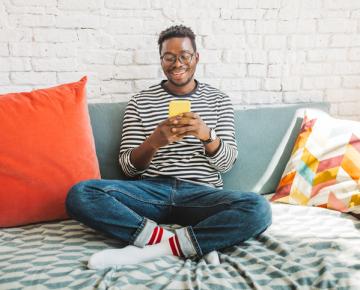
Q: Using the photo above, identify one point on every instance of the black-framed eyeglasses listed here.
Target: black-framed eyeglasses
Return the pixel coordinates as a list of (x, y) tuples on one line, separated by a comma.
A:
[(170, 58)]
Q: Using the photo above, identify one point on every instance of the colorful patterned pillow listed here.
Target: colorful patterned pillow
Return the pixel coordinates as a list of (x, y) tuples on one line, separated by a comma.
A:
[(324, 167)]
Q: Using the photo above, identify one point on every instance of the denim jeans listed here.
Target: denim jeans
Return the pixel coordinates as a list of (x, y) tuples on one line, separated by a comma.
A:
[(129, 210)]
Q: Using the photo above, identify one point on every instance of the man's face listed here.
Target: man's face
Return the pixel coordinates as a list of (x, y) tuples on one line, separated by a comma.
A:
[(179, 60)]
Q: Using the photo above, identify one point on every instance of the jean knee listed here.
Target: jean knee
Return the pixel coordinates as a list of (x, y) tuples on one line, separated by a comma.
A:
[(263, 211), (253, 214), (257, 209), (76, 196)]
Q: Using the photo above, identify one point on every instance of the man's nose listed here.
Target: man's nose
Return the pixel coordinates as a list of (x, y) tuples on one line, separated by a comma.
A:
[(177, 62)]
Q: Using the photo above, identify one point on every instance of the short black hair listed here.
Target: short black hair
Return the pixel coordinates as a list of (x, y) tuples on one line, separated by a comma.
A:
[(176, 31)]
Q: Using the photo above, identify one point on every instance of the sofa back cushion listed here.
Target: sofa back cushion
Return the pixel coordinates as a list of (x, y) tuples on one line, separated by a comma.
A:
[(265, 138), (106, 121), (259, 133)]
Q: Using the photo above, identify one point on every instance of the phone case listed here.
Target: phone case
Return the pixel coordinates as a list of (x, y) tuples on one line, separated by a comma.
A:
[(179, 106)]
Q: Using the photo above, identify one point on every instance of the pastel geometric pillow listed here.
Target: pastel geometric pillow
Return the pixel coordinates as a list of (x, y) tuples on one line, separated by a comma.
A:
[(324, 167)]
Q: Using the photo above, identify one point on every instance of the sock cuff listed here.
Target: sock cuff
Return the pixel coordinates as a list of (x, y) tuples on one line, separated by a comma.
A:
[(188, 243), (175, 246), (144, 233), (156, 236)]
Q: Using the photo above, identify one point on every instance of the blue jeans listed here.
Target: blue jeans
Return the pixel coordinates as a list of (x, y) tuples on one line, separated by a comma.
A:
[(129, 210)]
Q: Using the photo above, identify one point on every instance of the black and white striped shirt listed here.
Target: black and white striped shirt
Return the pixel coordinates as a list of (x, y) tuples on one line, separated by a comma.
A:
[(185, 159)]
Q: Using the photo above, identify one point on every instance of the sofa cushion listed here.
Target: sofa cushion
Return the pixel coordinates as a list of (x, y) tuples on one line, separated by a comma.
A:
[(259, 133), (324, 168), (106, 121), (46, 146), (265, 137)]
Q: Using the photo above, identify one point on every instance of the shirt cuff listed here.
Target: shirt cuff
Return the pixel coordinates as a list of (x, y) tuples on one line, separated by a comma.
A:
[(213, 159), (128, 167)]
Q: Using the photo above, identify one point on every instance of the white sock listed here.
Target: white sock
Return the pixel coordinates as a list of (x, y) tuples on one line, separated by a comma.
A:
[(158, 235), (212, 258), (134, 255)]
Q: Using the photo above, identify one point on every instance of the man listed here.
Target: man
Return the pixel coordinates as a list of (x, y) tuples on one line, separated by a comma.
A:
[(178, 161)]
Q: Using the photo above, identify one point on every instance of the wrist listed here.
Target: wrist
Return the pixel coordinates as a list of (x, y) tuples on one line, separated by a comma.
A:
[(211, 137), (213, 148), (150, 142), (205, 136)]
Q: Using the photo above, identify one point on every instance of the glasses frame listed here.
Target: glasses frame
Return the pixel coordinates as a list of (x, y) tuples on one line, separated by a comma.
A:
[(177, 57)]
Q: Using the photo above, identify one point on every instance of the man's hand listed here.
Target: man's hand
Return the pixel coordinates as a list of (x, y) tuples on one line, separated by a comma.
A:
[(190, 124), (171, 130), (164, 133)]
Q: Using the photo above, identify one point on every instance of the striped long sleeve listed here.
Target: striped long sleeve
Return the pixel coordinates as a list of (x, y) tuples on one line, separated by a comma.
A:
[(225, 157), (185, 159), (132, 136)]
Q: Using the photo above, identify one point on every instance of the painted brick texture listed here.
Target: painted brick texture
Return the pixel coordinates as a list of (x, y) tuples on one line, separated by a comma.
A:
[(260, 52)]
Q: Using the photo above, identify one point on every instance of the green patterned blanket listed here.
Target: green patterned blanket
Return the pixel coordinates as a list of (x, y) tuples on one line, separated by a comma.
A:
[(305, 248)]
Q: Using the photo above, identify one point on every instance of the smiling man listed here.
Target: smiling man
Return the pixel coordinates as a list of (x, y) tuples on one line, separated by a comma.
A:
[(176, 164)]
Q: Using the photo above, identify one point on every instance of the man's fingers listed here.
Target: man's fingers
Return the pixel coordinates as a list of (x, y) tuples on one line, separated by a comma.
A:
[(182, 130), (184, 121), (175, 138), (189, 133), (191, 115)]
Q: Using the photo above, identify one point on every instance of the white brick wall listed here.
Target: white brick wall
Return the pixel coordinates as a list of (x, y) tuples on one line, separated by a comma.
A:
[(258, 51)]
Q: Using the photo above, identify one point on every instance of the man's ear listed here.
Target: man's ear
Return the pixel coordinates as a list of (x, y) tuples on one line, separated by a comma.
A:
[(197, 57)]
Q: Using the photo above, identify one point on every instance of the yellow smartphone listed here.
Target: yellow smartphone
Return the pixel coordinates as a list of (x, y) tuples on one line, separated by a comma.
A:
[(177, 107)]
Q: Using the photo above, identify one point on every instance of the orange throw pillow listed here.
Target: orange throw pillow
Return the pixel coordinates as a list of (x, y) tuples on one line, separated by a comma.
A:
[(46, 146)]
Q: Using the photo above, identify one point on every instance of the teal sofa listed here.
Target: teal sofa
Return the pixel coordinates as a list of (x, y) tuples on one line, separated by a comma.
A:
[(259, 131), (304, 248)]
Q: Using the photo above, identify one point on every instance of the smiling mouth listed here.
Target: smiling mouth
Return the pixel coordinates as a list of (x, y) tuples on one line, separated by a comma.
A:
[(178, 74)]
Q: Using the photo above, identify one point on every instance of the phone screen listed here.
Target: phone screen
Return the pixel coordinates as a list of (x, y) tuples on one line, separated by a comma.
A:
[(177, 107)]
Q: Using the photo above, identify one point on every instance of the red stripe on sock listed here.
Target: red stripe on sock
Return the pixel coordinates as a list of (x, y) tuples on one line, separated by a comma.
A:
[(172, 246), (160, 234), (153, 236), (178, 246)]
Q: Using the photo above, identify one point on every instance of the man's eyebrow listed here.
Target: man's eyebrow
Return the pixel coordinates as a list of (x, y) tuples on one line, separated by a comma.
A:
[(184, 50)]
